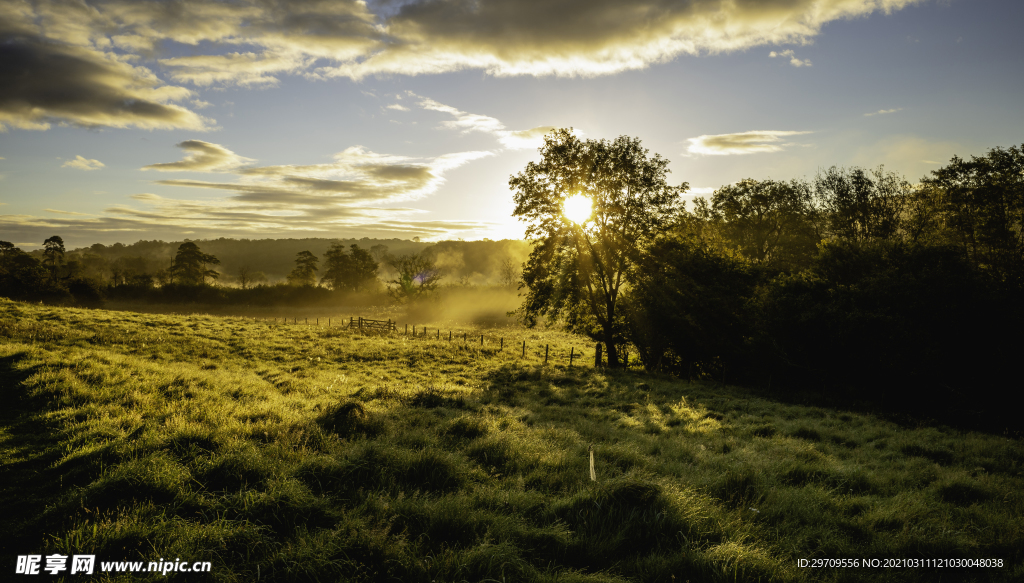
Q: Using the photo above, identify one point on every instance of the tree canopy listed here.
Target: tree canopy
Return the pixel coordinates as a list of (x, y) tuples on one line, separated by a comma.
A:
[(578, 268), (305, 269), (350, 271), (190, 263), (417, 275)]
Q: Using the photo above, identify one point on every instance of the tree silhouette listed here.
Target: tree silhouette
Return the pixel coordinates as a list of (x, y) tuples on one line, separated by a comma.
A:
[(576, 271), (305, 269), (769, 222), (53, 255), (189, 266), (417, 275), (349, 271)]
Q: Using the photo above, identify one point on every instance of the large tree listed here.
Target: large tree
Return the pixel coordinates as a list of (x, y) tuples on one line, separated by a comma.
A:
[(592, 207), (418, 274), (861, 205), (53, 255), (351, 271), (768, 222), (981, 203), (190, 263), (305, 269)]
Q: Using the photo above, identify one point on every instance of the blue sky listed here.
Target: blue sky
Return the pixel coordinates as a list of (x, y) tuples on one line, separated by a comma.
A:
[(125, 121)]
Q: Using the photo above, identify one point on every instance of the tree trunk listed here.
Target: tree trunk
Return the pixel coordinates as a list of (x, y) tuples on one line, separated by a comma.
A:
[(613, 352)]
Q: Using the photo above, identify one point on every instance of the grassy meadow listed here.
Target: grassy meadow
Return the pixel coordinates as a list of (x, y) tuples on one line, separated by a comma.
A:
[(306, 453)]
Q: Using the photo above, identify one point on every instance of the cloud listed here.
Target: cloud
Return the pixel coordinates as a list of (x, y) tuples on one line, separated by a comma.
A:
[(82, 63), (883, 112), (359, 193), (202, 157), (43, 82), (60, 212), (242, 69), (752, 142), (357, 176), (83, 164), (397, 107), (472, 122), (792, 58)]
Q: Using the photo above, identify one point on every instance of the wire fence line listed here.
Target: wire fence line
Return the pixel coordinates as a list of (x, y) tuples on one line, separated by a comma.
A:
[(390, 327)]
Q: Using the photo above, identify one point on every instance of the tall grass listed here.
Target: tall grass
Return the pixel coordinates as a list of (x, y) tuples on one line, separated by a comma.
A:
[(295, 453)]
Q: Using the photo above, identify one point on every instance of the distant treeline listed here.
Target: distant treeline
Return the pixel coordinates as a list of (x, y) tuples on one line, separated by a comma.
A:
[(855, 283), (258, 272)]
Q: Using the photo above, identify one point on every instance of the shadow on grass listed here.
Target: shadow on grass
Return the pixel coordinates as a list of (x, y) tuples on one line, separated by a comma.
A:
[(28, 447)]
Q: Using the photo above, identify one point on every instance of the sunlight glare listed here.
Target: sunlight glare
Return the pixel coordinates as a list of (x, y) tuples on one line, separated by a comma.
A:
[(577, 208)]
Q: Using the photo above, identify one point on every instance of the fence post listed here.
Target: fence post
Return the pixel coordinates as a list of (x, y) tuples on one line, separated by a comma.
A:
[(464, 336), (572, 352), (597, 356), (449, 336), (438, 333), (502, 347), (546, 347), (524, 349), (481, 340), (406, 329), (414, 330)]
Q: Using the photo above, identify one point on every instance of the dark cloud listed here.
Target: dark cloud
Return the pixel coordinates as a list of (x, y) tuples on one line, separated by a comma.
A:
[(43, 82)]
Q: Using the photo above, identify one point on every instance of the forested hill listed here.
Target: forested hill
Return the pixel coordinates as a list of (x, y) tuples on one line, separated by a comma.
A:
[(276, 257)]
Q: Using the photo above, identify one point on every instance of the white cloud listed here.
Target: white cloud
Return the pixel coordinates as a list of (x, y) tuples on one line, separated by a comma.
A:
[(883, 112), (397, 107), (83, 164), (793, 60), (751, 142), (472, 122)]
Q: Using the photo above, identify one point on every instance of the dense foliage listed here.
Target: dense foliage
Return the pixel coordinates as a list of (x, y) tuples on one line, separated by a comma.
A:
[(911, 297)]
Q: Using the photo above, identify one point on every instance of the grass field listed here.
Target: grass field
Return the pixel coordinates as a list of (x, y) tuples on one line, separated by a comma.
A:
[(305, 453)]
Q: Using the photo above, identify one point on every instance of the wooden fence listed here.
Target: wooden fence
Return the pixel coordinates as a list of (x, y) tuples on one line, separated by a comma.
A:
[(375, 325)]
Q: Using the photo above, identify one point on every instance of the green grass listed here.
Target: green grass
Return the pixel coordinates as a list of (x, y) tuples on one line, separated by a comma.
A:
[(302, 453)]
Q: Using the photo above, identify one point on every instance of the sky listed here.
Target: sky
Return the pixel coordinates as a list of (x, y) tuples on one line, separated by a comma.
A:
[(123, 120)]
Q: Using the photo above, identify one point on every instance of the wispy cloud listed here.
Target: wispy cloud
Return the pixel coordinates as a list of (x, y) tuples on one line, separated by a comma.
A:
[(793, 60), (359, 193), (60, 212), (883, 112), (202, 157), (397, 107), (81, 163), (752, 142), (473, 122)]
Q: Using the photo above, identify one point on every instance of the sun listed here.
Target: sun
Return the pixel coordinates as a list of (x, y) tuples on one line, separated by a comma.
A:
[(577, 208)]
